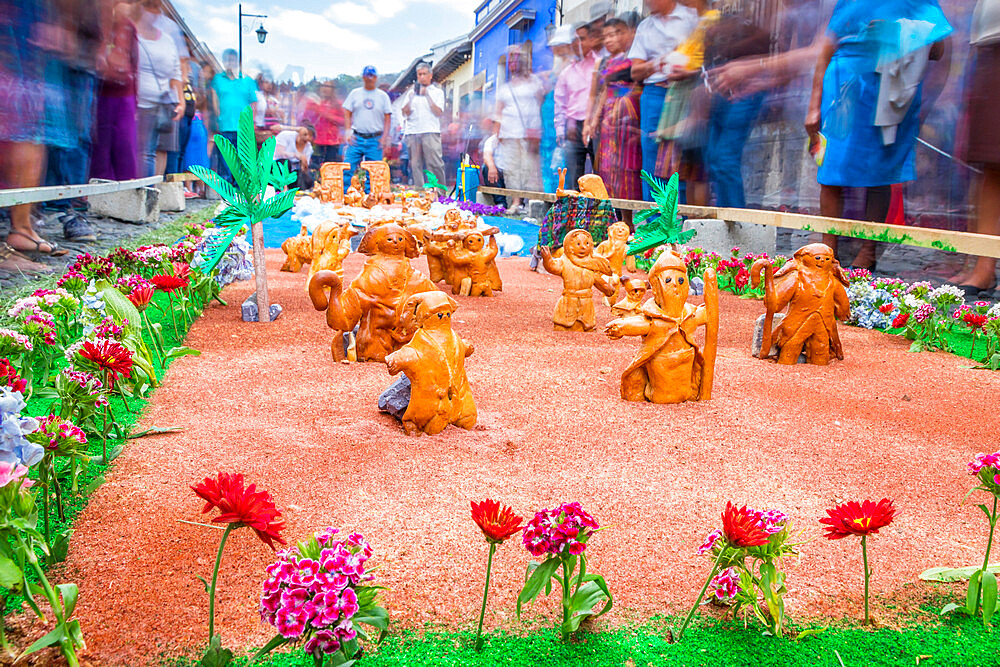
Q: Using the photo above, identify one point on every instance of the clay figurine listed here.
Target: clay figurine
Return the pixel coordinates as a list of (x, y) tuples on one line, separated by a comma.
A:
[(434, 362), (581, 270), (374, 297), (298, 251), (473, 264), (378, 178), (615, 249), (671, 367), (331, 185), (814, 288), (634, 293), (590, 185), (331, 244)]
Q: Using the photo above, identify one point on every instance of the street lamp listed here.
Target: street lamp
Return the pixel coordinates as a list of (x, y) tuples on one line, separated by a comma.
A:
[(261, 33)]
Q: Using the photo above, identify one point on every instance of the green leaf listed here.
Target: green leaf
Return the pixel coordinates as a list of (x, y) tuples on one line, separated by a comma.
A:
[(811, 632), (181, 351), (216, 656), (377, 617), (591, 593), (219, 184), (93, 485), (113, 453), (275, 642), (10, 574), (536, 577), (989, 597), (204, 581), (948, 574), (154, 430), (55, 637), (59, 550), (246, 146), (236, 167), (972, 596), (276, 206), (120, 308), (69, 594)]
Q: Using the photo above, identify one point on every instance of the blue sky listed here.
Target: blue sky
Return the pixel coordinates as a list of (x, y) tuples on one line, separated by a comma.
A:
[(328, 38)]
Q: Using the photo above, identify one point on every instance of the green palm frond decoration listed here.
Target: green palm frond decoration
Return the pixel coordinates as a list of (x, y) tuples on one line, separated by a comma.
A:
[(253, 173), (660, 225), (431, 181)]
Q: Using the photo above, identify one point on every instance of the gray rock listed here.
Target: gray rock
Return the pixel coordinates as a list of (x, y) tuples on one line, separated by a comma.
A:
[(396, 398), (537, 208), (250, 313), (698, 287), (349, 338), (758, 336), (141, 205)]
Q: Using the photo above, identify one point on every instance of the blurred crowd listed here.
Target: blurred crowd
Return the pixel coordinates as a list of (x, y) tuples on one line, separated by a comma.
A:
[(847, 89)]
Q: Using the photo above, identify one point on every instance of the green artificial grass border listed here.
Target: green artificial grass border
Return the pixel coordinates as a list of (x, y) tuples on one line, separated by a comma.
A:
[(961, 642)]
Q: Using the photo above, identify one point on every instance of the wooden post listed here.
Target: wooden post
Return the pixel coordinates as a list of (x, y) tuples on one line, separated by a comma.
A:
[(260, 272)]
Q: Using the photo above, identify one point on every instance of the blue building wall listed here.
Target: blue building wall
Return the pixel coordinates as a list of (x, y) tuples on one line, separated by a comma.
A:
[(490, 46)]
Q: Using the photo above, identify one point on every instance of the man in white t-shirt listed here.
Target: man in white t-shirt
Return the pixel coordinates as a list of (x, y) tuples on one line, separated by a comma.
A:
[(367, 116), (295, 146), (667, 26), (422, 108)]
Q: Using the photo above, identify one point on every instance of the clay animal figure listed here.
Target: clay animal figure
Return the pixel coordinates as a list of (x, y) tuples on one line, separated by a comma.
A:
[(814, 288), (671, 367), (375, 296), (581, 270), (473, 264), (615, 249), (434, 362), (634, 293), (331, 244), (298, 251)]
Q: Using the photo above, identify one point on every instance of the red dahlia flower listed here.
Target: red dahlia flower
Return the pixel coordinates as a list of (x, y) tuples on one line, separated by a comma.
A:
[(975, 321), (110, 356), (497, 522), (168, 283), (854, 518), (141, 296), (243, 506), (741, 528)]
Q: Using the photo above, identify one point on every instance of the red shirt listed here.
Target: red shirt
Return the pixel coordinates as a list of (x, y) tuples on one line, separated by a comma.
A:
[(328, 119)]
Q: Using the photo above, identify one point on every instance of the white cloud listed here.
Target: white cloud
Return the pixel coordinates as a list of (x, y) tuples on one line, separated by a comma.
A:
[(309, 27), (352, 12)]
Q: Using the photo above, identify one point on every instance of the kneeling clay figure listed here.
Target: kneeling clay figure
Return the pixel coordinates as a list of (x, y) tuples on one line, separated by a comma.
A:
[(375, 296), (635, 292), (581, 270), (814, 287), (298, 251), (671, 367), (434, 362)]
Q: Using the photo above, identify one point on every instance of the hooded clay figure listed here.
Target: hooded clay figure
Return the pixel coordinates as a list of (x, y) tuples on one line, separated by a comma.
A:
[(374, 297), (670, 366), (814, 287), (615, 248), (472, 264), (434, 362), (634, 293), (581, 270)]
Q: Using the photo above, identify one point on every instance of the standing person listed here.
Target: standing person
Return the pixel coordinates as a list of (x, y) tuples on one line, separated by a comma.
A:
[(231, 93), (114, 151), (22, 126), (983, 141), (72, 75), (550, 154), (845, 105), (327, 116), (519, 109), (161, 97), (197, 149), (667, 25), (423, 107), (368, 115), (492, 169), (572, 96), (616, 115), (295, 148)]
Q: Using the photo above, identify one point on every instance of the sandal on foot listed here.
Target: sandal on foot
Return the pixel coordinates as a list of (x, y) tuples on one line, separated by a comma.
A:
[(53, 251), (14, 262), (972, 291)]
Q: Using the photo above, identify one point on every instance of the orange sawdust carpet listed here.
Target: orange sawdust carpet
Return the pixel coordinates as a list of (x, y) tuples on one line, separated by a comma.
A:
[(268, 401)]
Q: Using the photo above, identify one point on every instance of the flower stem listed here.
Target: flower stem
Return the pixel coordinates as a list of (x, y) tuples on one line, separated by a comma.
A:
[(986, 559), (864, 557), (44, 479), (565, 601), (486, 590), (215, 578), (715, 568), (173, 317)]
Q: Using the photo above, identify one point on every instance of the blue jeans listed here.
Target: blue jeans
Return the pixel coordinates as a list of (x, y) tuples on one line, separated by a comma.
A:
[(650, 107), (70, 166), (729, 124), (361, 149)]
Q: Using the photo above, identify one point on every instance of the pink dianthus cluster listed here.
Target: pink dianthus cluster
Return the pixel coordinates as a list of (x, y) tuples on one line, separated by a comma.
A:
[(315, 599), (980, 461), (556, 531), (725, 585), (64, 436), (924, 312)]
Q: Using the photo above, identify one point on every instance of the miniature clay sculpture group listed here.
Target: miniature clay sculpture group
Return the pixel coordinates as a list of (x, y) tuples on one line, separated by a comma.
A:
[(814, 288), (375, 296), (459, 254), (581, 270), (434, 362), (298, 251), (670, 366)]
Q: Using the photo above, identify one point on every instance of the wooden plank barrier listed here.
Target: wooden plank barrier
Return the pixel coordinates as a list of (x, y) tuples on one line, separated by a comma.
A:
[(983, 245), (18, 196)]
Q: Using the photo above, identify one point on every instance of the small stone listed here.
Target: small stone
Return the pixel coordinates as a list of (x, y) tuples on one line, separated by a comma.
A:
[(396, 398), (604, 370), (758, 337), (250, 313), (697, 286)]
